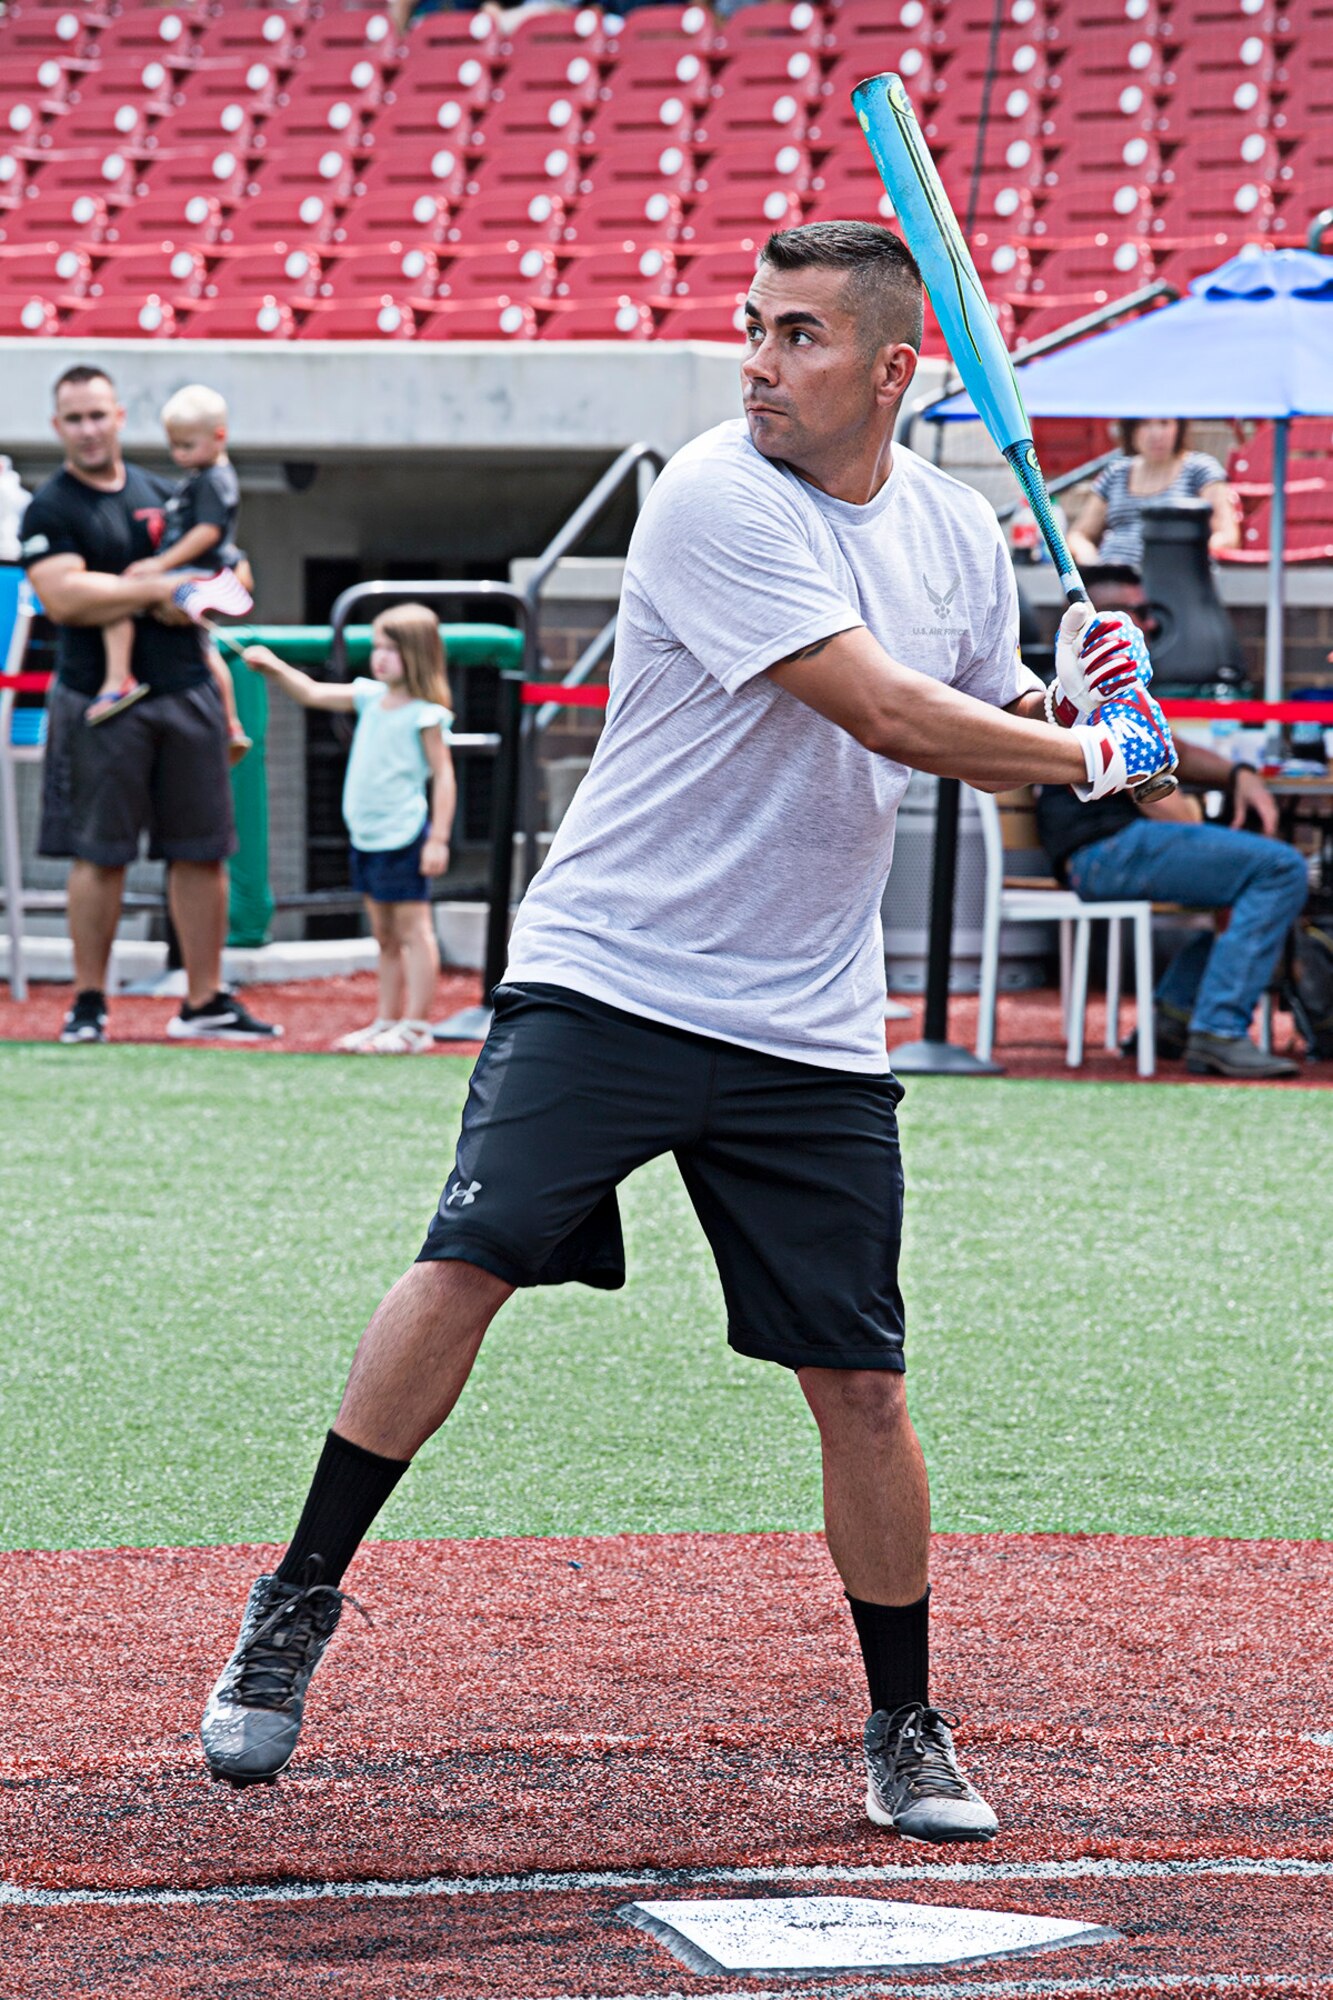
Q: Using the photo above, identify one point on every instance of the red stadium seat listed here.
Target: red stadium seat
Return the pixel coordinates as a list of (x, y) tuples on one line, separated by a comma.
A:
[(215, 170), (784, 24), (328, 170), (289, 216), (506, 214), (130, 316), (27, 312), (519, 271), (434, 33), (174, 271), (384, 318), (174, 36), (683, 27), (623, 318), (652, 118), (558, 116), (717, 273), (290, 271), (482, 319), (431, 165), (635, 164), (717, 318), (243, 319), (407, 270), (397, 214), (253, 34), (636, 215), (355, 32), (310, 119), (762, 113), (112, 176), (60, 218), (58, 271), (460, 73), (666, 69), (733, 212), (643, 271)]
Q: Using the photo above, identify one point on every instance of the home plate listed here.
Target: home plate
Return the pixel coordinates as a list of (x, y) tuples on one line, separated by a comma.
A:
[(844, 1933)]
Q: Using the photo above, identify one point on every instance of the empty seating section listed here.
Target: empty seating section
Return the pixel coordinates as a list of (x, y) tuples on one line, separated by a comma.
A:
[(312, 172)]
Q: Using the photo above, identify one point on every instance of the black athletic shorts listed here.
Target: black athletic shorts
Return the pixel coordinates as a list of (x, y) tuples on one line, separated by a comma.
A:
[(794, 1172), (160, 768)]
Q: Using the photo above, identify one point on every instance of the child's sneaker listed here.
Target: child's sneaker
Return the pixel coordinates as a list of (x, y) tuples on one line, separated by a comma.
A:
[(114, 702), (402, 1038), (361, 1038)]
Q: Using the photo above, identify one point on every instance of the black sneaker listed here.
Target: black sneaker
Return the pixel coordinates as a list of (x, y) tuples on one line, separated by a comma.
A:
[(1170, 1032), (913, 1782), (253, 1717), (221, 1019), (86, 1019), (1235, 1056)]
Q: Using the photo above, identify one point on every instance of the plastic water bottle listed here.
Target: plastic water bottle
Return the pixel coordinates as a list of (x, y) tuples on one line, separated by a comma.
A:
[(14, 498)]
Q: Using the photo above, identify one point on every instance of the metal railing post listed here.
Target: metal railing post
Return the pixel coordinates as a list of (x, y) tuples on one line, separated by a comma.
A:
[(504, 823)]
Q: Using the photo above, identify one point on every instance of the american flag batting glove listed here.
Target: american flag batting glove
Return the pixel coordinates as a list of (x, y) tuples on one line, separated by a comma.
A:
[(1125, 743), (223, 591), (1099, 655)]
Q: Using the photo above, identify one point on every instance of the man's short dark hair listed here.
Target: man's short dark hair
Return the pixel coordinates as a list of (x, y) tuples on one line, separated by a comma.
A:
[(884, 280), (78, 376)]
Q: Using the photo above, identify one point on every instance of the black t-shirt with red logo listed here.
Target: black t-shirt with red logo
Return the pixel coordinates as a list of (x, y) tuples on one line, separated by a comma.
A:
[(110, 531)]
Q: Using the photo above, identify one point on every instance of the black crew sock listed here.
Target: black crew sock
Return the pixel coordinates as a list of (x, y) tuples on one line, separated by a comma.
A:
[(895, 1645), (349, 1488)]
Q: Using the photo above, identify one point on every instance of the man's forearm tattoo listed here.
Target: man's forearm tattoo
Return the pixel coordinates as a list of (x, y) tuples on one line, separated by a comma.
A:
[(808, 652)]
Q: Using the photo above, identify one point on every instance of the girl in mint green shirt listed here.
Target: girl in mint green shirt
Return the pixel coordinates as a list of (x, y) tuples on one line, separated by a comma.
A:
[(400, 842)]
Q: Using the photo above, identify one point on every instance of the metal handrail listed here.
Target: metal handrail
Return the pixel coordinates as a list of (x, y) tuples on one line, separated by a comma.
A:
[(1088, 470), (1062, 336), (471, 587), (1318, 229), (587, 511)]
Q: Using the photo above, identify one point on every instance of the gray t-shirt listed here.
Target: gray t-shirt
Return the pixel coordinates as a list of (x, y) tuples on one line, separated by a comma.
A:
[(722, 864)]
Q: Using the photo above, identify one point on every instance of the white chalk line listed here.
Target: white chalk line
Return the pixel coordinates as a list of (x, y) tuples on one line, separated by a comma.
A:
[(1003, 1989), (14, 1895)]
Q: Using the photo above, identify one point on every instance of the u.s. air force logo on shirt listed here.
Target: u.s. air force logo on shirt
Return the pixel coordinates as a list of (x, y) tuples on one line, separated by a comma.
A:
[(941, 602)]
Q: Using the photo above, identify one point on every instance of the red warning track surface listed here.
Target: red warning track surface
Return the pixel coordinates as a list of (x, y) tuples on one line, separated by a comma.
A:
[(536, 1733)]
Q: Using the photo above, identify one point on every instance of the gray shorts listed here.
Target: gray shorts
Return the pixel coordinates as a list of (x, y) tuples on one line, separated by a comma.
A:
[(160, 769)]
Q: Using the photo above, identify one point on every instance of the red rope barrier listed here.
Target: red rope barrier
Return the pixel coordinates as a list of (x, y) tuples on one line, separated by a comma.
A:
[(1249, 711), (536, 694)]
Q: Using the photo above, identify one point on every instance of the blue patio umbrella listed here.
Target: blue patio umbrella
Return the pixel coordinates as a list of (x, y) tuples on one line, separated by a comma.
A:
[(1252, 339)]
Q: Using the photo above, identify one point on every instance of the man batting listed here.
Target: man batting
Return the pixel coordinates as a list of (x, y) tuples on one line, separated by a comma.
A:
[(809, 612)]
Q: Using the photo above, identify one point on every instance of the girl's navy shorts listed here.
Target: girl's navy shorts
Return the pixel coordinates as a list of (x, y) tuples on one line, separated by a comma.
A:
[(794, 1172), (394, 876)]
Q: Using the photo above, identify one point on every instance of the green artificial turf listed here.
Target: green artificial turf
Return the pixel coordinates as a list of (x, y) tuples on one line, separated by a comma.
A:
[(1119, 1314)]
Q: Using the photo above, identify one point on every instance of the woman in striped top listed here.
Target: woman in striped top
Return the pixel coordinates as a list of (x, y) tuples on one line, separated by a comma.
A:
[(1156, 464)]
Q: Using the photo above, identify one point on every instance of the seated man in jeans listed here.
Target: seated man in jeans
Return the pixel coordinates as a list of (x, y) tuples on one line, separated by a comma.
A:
[(1164, 852)]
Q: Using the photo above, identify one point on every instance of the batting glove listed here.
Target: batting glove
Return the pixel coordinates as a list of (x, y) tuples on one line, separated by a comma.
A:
[(1127, 744), (1099, 655)]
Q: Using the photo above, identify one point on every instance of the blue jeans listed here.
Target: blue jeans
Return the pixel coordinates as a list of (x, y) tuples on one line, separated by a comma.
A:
[(1215, 980)]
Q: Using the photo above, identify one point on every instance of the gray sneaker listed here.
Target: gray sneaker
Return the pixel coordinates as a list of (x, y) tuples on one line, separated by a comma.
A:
[(253, 1717), (913, 1782)]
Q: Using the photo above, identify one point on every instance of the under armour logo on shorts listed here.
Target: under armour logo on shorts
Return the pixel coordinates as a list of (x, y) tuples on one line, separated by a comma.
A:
[(464, 1196)]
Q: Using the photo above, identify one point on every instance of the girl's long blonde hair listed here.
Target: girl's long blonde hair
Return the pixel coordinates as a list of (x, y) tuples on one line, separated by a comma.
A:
[(415, 631)]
